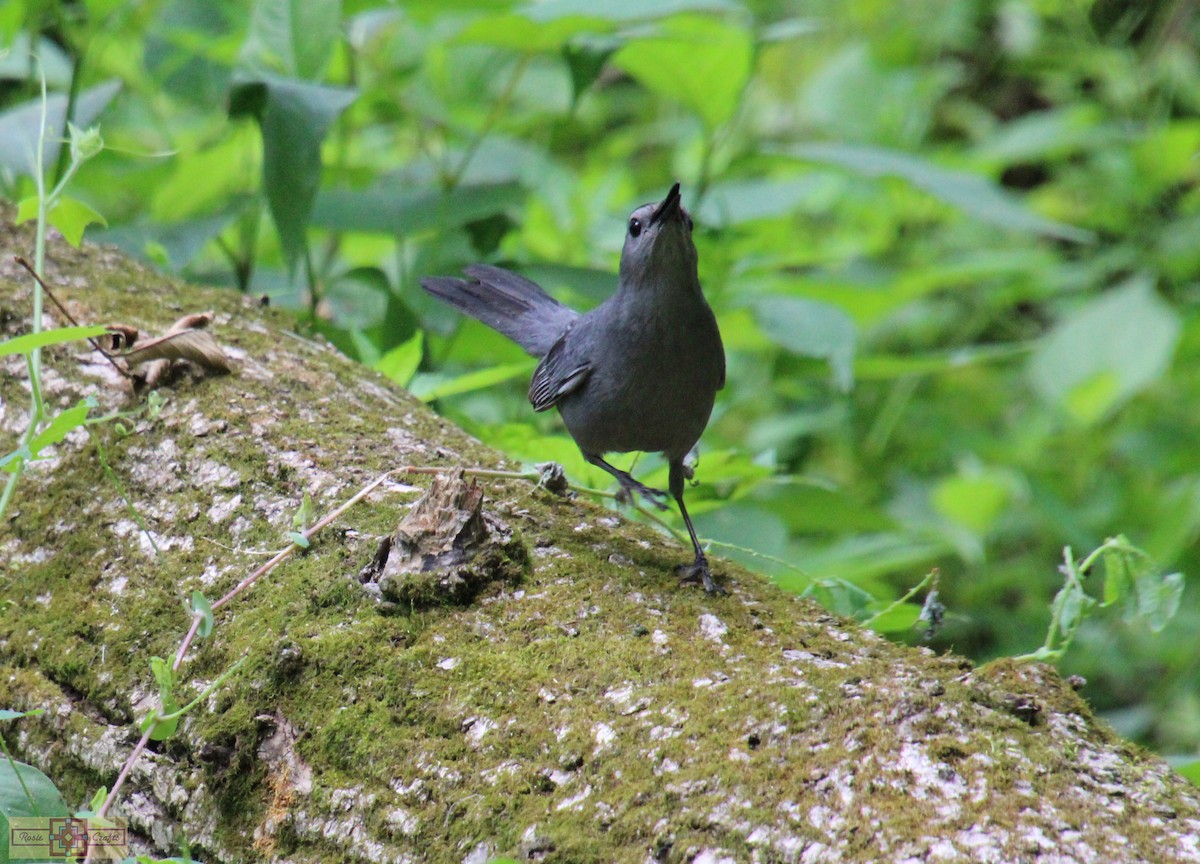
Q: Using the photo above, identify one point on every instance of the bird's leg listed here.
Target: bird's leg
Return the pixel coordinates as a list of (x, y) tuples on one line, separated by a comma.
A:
[(629, 486), (698, 570)]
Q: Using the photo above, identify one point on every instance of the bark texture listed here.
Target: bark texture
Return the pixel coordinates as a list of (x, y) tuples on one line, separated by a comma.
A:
[(528, 683)]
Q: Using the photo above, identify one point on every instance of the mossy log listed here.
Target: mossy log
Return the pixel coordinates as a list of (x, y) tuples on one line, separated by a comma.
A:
[(572, 703)]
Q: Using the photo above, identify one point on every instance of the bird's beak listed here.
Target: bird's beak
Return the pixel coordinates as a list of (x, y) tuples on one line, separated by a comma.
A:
[(669, 207)]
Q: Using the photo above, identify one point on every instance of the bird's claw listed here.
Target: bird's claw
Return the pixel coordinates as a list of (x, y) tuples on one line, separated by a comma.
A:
[(657, 497), (698, 571)]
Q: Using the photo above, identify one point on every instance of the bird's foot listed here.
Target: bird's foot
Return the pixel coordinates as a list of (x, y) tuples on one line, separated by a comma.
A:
[(698, 571), (630, 487)]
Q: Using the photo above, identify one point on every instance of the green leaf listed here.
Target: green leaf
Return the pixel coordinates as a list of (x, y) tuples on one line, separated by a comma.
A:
[(974, 195), (1118, 578), (1177, 518), (519, 33), (430, 387), (1159, 598), (878, 367), (30, 341), (43, 799), (729, 469), (974, 499), (585, 61), (401, 363), (743, 525), (60, 426), (358, 298), (554, 25), (9, 714), (1090, 399), (1050, 134), (160, 730), (1190, 770), (71, 216), (522, 441), (54, 63), (811, 329), (897, 618), (12, 462), (170, 246), (229, 168), (299, 539), (200, 604), (623, 11), (25, 792), (389, 207), (807, 507), (1106, 352), (27, 210), (702, 63), (164, 677), (366, 351), (304, 513), (164, 721), (787, 29), (1166, 156), (294, 117), (589, 286), (733, 202), (293, 38), (865, 557), (840, 597), (154, 404), (1071, 605)]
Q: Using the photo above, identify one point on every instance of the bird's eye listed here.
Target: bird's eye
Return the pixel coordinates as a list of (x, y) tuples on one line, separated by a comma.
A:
[(635, 227)]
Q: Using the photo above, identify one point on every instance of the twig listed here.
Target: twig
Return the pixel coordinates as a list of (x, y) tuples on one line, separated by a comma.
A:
[(745, 550), (186, 643), (125, 769), (307, 534), (62, 309), (896, 604)]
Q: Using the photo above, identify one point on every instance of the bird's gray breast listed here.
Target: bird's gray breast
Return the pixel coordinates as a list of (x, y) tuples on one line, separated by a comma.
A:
[(654, 377)]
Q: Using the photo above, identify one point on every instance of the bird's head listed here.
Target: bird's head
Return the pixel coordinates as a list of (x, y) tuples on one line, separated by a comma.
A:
[(658, 242)]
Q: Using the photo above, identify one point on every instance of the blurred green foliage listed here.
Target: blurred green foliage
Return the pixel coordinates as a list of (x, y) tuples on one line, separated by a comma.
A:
[(952, 246)]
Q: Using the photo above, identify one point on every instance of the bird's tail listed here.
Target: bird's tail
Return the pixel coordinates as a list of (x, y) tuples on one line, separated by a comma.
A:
[(506, 302)]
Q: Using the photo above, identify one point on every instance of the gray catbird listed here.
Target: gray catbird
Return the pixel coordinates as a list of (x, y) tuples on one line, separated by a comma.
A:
[(638, 372)]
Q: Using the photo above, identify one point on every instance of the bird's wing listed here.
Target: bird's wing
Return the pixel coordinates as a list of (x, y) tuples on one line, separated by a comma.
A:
[(557, 375)]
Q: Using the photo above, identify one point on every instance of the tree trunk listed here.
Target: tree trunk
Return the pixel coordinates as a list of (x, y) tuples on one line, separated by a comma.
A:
[(530, 682)]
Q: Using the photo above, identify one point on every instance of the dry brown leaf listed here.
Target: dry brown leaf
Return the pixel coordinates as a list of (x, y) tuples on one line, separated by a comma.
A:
[(198, 346), (194, 321), (154, 373), (120, 337)]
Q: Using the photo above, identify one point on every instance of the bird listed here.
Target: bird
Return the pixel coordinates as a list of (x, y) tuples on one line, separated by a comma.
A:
[(639, 372)]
